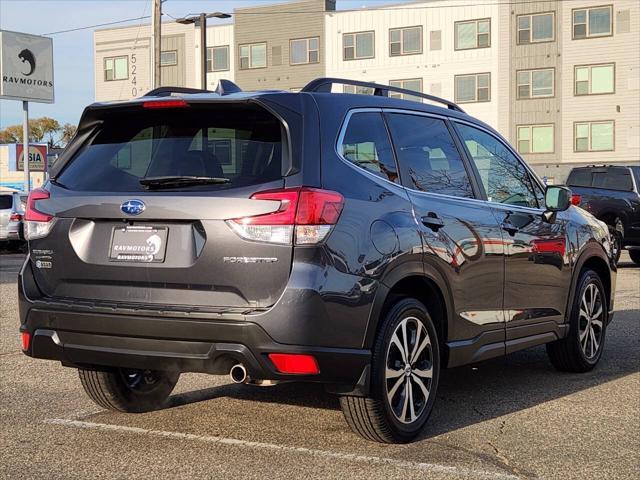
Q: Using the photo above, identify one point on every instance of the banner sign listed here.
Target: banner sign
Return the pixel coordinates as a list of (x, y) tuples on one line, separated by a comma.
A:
[(26, 67), (37, 158)]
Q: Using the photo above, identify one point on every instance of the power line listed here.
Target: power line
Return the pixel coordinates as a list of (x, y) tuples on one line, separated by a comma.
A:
[(98, 25)]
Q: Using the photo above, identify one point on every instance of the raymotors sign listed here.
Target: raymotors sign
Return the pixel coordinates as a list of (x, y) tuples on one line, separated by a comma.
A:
[(37, 158), (26, 67)]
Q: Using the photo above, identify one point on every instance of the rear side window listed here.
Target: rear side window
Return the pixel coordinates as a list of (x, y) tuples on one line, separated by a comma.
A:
[(613, 179), (579, 178), (366, 144), (6, 201), (242, 143), (428, 157)]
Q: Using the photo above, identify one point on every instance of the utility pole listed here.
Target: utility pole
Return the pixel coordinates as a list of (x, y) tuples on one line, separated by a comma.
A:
[(157, 42), (203, 51)]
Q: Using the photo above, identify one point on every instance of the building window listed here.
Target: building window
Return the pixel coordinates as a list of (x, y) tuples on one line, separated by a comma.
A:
[(169, 58), (594, 136), (473, 34), (535, 138), (357, 45), (405, 41), (539, 27), (535, 83), (592, 22), (357, 89), (594, 79), (473, 88), (253, 56), (304, 50), (414, 84), (116, 68), (218, 59)]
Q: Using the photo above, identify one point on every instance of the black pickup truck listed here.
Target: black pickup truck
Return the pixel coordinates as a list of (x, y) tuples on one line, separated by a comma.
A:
[(611, 194)]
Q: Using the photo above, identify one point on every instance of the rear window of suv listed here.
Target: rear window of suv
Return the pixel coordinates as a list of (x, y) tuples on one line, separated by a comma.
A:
[(6, 201), (242, 143)]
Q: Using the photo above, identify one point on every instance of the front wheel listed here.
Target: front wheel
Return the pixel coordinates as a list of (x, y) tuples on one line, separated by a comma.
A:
[(582, 348), (404, 377), (635, 255), (128, 390)]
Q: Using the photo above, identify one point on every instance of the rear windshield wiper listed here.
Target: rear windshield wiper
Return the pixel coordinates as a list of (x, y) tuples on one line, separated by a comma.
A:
[(180, 181)]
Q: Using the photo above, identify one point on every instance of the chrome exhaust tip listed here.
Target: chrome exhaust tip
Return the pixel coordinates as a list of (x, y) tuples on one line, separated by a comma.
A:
[(238, 373)]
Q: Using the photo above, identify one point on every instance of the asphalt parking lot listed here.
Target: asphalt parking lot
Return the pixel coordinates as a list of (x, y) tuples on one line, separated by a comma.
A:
[(509, 418)]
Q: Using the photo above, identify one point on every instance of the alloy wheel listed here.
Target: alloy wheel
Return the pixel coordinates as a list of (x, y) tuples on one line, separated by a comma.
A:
[(409, 370), (590, 321)]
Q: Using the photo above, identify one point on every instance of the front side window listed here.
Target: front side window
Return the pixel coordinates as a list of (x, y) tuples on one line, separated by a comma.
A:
[(304, 50), (405, 41), (473, 34), (253, 56), (366, 144), (218, 59), (427, 155), (414, 84), (116, 68), (357, 45), (535, 139), (504, 177), (536, 28), (592, 22), (535, 83), (594, 79), (594, 136), (473, 88)]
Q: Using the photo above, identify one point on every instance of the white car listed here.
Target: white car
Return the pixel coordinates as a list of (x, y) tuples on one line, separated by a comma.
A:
[(12, 206)]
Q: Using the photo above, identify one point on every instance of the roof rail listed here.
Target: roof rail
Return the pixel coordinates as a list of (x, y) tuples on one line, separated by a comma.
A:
[(168, 91), (325, 84)]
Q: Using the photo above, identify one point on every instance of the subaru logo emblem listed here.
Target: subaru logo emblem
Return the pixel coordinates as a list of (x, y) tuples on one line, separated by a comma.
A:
[(133, 207)]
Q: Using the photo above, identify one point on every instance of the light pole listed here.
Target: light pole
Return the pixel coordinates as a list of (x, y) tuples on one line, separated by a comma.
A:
[(202, 21)]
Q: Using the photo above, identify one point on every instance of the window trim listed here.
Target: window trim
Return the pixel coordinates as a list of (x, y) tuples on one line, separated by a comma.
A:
[(531, 97), (531, 15), (212, 48), (589, 66), (104, 68), (531, 126), (588, 35), (475, 20), (402, 52), (355, 51), (307, 39), (590, 123), (266, 55), (455, 88)]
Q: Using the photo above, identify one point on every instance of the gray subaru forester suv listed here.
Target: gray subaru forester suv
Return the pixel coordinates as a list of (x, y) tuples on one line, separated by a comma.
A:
[(360, 241)]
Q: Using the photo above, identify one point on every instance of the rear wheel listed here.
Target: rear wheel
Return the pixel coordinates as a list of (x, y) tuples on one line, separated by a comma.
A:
[(128, 390), (582, 348), (635, 255), (617, 237), (404, 377)]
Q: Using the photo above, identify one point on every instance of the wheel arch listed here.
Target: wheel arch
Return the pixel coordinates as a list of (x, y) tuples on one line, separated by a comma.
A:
[(592, 258)]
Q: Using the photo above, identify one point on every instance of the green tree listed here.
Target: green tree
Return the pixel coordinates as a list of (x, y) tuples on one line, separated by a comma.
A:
[(40, 129)]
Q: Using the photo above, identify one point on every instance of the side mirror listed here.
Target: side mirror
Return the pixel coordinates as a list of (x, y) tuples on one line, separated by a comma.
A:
[(556, 199)]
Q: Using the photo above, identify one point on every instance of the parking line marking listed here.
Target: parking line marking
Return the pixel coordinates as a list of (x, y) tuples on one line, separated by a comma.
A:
[(427, 467)]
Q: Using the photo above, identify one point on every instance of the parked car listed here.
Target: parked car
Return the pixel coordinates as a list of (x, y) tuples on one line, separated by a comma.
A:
[(11, 215), (364, 242), (612, 194)]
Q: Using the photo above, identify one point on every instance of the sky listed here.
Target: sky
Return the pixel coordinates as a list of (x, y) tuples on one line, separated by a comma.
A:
[(73, 51)]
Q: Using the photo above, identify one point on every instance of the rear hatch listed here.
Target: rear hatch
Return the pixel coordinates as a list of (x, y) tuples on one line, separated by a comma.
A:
[(141, 209)]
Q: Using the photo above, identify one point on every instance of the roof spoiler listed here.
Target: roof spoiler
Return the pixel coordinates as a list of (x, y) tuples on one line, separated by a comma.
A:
[(225, 87)]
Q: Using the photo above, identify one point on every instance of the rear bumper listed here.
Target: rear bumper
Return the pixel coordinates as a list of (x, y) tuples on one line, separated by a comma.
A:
[(81, 337)]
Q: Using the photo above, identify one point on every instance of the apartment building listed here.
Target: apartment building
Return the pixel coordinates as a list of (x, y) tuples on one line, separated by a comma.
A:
[(561, 80)]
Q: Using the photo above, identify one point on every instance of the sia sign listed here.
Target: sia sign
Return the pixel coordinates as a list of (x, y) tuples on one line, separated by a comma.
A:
[(37, 158), (26, 67)]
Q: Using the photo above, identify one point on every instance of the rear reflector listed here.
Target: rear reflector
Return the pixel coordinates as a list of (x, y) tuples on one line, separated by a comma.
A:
[(37, 224), (304, 213), (295, 363), (576, 199), (25, 340), (165, 104)]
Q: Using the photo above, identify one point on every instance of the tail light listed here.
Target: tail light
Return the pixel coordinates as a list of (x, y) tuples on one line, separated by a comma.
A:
[(25, 340), (37, 224), (155, 104), (295, 363), (15, 217), (305, 217), (576, 199)]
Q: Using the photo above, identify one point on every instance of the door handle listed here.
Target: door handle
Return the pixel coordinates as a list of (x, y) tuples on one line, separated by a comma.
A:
[(510, 228), (432, 221)]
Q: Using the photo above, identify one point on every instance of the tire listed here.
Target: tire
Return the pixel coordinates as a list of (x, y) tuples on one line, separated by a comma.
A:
[(128, 390), (617, 234), (634, 253), (576, 352), (376, 417)]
